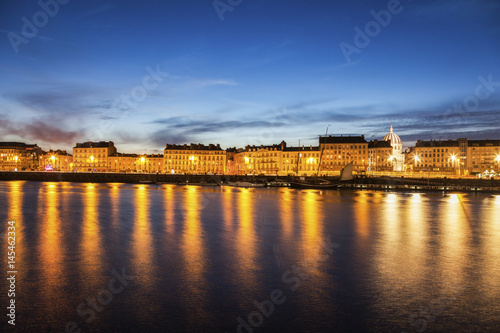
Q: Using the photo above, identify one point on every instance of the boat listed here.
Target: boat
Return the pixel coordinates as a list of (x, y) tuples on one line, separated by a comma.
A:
[(345, 174), (312, 186), (246, 184), (278, 183)]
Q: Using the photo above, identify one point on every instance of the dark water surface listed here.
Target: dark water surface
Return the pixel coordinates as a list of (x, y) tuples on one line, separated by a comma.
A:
[(207, 259)]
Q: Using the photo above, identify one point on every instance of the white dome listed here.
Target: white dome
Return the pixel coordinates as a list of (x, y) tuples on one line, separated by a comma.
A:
[(393, 138)]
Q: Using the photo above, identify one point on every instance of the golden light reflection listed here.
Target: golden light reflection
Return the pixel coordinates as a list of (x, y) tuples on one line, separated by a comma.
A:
[(389, 259), (415, 228), (490, 259), (114, 195), (361, 211), (312, 225), (15, 214), (195, 261), (454, 231), (51, 249), (142, 233), (245, 238), (287, 210), (228, 210), (497, 203), (169, 207), (91, 248)]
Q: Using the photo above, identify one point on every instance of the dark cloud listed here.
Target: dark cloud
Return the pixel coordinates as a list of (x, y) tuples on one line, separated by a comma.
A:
[(40, 131)]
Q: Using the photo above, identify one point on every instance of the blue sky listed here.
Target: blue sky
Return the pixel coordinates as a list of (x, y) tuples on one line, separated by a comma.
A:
[(147, 73)]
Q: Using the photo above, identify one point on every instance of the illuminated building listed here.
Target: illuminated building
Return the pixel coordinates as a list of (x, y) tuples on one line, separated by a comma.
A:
[(277, 159), (123, 162), (58, 160), (194, 159), (17, 156), (260, 159), (380, 156), (482, 155), (151, 163), (435, 156), (89, 156), (397, 158), (304, 159), (338, 151), (135, 163)]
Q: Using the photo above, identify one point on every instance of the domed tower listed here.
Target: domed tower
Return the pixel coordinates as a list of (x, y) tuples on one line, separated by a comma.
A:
[(397, 157), (395, 140)]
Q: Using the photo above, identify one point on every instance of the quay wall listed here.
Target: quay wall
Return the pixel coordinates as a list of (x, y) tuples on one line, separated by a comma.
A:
[(358, 183)]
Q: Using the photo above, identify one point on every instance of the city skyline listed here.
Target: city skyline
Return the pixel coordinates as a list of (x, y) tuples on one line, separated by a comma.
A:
[(143, 75)]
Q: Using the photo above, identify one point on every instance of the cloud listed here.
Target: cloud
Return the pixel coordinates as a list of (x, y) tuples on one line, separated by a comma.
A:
[(68, 99), (183, 129), (40, 131)]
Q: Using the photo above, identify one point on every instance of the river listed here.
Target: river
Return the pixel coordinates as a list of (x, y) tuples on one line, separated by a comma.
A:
[(167, 258)]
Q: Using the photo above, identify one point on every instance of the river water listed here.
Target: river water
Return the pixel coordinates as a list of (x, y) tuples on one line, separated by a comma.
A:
[(168, 258)]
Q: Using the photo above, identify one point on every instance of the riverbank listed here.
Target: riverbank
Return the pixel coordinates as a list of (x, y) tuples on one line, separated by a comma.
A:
[(383, 183)]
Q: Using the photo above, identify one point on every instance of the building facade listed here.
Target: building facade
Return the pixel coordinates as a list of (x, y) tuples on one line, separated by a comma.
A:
[(380, 156), (338, 151), (93, 156), (435, 156), (18, 156), (58, 160), (482, 155), (194, 159)]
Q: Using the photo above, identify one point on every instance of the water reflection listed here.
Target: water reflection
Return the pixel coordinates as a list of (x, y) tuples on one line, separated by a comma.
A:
[(51, 251), (245, 240), (198, 266), (91, 247), (194, 258), (454, 231), (361, 211), (169, 200), (15, 213)]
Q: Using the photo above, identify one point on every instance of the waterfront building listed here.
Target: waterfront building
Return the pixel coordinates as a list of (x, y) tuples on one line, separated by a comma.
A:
[(17, 156), (123, 162), (338, 151), (58, 160), (435, 156), (260, 159), (379, 156), (482, 155), (231, 166), (194, 159), (302, 161), (93, 156), (397, 158), (278, 159), (135, 163)]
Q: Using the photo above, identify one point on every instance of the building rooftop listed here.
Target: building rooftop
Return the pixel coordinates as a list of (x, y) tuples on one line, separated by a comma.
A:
[(100, 144), (342, 139), (434, 143), (379, 144), (193, 146)]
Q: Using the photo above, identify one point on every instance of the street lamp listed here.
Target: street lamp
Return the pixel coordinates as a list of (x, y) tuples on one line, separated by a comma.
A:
[(416, 159), (16, 158), (53, 158), (92, 163), (497, 159), (142, 164), (453, 159)]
